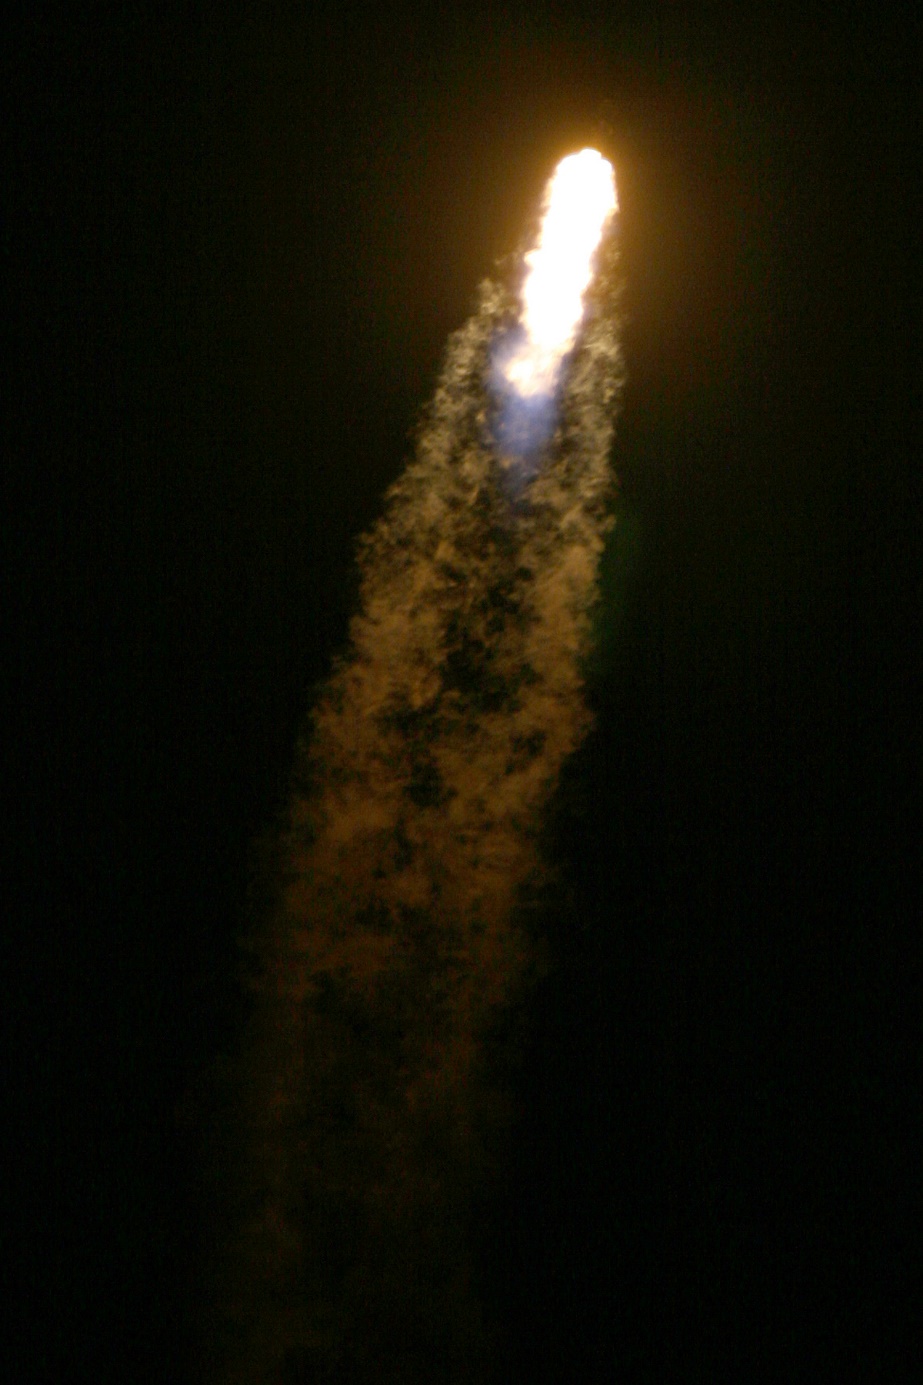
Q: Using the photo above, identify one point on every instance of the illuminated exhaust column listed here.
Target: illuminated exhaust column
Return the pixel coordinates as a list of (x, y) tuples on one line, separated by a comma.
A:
[(579, 200), (406, 878)]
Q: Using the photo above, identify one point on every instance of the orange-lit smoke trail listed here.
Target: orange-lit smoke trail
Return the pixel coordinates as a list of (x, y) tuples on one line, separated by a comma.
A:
[(396, 938)]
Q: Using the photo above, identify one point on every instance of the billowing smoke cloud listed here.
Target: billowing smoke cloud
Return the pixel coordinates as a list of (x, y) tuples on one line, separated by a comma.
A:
[(395, 940)]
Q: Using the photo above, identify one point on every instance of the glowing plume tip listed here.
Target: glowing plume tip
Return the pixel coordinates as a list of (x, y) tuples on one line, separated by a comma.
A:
[(579, 200)]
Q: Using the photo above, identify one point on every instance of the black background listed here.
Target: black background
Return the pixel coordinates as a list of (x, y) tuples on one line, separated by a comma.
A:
[(239, 238)]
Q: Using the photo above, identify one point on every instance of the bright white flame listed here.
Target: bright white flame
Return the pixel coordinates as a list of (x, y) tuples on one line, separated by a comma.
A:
[(579, 200)]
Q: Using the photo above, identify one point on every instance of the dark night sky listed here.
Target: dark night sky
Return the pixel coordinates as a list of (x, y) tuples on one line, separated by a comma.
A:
[(240, 238)]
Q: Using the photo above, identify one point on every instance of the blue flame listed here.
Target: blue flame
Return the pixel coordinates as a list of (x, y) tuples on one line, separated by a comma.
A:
[(522, 424)]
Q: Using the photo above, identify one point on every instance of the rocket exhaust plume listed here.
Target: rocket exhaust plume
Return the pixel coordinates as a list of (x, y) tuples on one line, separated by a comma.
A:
[(579, 202), (396, 937)]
